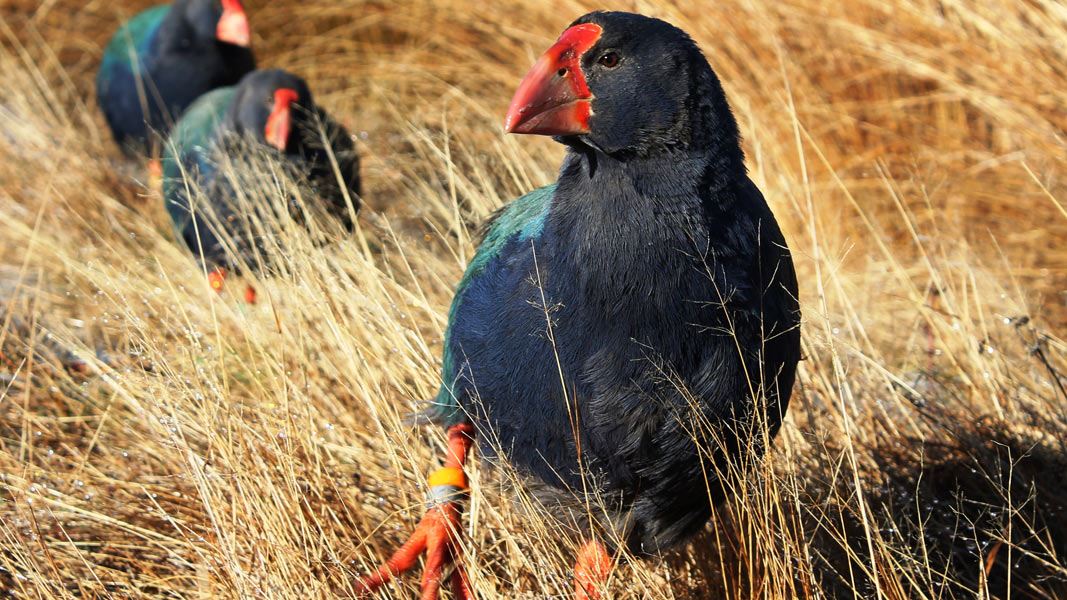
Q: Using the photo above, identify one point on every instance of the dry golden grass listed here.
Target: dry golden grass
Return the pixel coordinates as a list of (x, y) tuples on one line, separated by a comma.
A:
[(913, 150)]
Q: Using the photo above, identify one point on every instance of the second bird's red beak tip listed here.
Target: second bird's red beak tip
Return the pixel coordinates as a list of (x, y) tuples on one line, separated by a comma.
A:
[(280, 121), (554, 98), (233, 25)]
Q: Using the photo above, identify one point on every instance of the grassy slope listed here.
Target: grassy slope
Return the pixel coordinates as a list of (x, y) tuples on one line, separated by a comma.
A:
[(913, 150)]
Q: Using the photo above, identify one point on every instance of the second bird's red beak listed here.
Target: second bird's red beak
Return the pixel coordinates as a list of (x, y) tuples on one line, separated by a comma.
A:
[(233, 25), (554, 98), (280, 121)]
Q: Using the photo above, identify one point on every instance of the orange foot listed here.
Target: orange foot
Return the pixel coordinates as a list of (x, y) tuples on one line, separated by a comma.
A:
[(155, 174), (438, 533), (217, 279), (591, 571)]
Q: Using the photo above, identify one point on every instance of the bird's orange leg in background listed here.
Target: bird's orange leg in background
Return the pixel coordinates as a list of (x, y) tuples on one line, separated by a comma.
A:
[(155, 174), (217, 280), (591, 570), (437, 533)]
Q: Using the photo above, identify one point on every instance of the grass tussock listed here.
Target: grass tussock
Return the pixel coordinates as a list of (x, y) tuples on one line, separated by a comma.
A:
[(913, 151)]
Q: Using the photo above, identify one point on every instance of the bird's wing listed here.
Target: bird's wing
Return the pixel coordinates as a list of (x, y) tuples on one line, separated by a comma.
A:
[(131, 40), (522, 219), (323, 175), (187, 152)]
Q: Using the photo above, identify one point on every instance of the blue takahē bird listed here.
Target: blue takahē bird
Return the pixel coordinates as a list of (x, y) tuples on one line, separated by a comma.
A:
[(269, 111), (628, 332), (163, 59)]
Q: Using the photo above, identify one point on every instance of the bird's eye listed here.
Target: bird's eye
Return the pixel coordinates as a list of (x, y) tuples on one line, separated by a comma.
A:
[(609, 60)]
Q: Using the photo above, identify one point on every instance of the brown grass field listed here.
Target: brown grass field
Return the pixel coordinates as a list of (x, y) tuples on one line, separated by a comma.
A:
[(914, 152)]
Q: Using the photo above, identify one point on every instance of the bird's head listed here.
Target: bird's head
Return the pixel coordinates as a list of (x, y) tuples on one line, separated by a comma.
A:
[(624, 84), (221, 21), (271, 105)]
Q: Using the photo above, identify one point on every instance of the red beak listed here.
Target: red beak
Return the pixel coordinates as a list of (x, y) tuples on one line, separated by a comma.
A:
[(280, 121), (553, 98), (233, 25)]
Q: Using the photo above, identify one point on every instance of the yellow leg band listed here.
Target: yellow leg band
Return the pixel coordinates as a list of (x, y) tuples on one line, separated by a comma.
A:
[(452, 476)]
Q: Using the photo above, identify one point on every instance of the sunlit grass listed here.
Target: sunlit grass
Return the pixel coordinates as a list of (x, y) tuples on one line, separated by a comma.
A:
[(913, 152)]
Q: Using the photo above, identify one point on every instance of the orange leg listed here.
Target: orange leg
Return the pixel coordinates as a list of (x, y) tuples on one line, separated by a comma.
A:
[(217, 279), (437, 533), (591, 570), (155, 174)]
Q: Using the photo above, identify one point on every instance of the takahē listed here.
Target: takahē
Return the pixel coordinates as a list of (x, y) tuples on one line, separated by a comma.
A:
[(163, 59), (269, 114), (629, 331)]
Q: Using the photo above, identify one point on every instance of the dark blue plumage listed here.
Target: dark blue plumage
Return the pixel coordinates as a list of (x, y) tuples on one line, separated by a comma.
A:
[(269, 112), (163, 59), (653, 265)]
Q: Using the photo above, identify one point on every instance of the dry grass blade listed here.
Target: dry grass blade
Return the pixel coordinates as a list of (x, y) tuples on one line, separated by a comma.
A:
[(913, 150)]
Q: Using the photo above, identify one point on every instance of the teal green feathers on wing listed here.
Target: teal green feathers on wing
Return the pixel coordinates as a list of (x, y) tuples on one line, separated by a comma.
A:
[(521, 220), (524, 217), (189, 146), (132, 39)]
